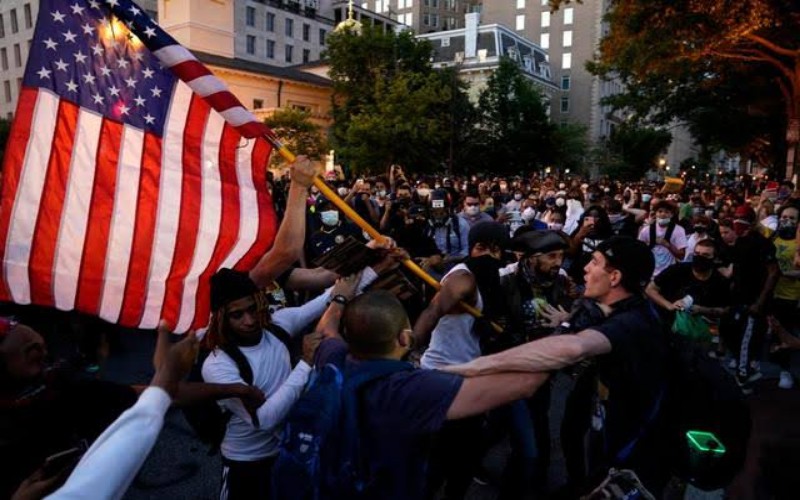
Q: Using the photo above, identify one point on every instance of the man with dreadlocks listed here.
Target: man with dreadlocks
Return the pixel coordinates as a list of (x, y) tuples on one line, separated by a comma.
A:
[(243, 340), (455, 339)]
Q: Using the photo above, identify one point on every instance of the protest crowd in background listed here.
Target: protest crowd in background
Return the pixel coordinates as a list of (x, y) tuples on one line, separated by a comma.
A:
[(618, 287)]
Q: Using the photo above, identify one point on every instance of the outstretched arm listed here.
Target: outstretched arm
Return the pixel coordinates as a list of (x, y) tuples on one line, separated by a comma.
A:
[(288, 246), (549, 353)]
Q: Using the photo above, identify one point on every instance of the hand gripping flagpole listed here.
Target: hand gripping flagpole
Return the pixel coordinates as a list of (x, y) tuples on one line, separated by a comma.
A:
[(334, 198)]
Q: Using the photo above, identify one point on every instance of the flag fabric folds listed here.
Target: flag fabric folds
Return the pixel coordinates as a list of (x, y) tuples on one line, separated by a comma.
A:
[(131, 172)]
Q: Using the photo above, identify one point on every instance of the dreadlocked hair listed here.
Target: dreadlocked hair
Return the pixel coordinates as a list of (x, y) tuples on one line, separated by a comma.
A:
[(217, 333)]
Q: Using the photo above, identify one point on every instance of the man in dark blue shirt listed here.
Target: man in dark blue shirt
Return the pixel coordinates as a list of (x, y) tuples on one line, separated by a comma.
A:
[(401, 411), (629, 350)]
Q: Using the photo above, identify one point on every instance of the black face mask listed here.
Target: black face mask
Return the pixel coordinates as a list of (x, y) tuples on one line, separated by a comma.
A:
[(702, 264), (787, 232), (487, 275)]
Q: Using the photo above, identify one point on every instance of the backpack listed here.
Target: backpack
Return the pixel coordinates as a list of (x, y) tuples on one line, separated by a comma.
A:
[(667, 235), (207, 419), (703, 396), (454, 227), (320, 453)]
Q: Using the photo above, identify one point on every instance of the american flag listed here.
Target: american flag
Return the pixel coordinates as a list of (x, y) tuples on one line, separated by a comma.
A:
[(131, 173)]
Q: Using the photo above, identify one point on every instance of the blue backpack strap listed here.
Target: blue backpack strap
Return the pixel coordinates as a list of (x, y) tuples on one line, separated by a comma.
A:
[(627, 450)]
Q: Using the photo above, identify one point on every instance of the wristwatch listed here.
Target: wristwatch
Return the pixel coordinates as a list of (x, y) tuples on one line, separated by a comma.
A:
[(339, 299)]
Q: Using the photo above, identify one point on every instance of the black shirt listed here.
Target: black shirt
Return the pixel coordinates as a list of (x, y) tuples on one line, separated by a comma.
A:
[(634, 372), (751, 256), (677, 281)]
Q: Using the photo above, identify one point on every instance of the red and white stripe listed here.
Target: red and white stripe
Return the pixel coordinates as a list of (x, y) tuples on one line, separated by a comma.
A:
[(202, 82), (114, 221)]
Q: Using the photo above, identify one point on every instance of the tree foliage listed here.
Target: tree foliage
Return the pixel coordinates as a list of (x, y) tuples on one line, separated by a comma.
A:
[(630, 151), (298, 132), (5, 130), (389, 104), (719, 65), (515, 133)]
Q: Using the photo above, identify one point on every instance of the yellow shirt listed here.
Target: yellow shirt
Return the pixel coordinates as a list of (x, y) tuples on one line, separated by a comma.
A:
[(786, 288)]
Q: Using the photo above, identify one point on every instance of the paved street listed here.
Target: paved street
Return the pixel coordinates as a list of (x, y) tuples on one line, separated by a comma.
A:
[(180, 468)]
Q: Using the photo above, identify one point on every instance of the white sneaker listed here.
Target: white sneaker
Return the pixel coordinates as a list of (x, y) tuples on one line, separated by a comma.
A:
[(786, 381)]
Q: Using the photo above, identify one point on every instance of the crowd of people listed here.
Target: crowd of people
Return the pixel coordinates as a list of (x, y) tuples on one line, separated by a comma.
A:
[(537, 275)]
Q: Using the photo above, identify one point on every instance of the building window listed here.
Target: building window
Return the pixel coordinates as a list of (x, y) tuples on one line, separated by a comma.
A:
[(426, 20), (565, 82), (567, 39), (270, 22), (565, 104), (290, 27), (568, 15), (270, 49), (28, 16), (258, 103), (545, 19), (435, 20), (7, 87), (289, 52), (4, 58), (520, 4), (306, 32), (520, 22), (14, 25), (2, 27), (544, 40), (306, 55), (250, 16), (251, 44), (19, 84), (17, 56), (322, 37), (566, 60)]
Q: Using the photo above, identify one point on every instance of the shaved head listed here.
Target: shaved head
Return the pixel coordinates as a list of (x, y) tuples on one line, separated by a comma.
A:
[(372, 323)]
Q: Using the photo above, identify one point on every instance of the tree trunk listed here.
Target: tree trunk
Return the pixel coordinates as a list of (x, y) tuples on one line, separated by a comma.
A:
[(792, 140)]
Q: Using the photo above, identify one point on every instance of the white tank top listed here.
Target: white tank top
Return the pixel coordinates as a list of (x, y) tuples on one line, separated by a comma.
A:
[(453, 340)]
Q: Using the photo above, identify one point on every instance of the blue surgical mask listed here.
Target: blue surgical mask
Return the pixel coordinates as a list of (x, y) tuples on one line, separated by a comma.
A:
[(329, 217)]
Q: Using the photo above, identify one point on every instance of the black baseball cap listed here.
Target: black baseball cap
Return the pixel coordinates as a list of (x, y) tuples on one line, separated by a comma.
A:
[(632, 258)]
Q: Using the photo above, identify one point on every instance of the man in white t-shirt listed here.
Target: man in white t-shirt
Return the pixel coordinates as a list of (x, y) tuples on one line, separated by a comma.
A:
[(239, 329), (454, 340), (666, 238)]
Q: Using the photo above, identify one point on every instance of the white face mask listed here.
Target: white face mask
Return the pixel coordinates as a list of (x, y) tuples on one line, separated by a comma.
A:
[(560, 202), (329, 217), (518, 196), (555, 226), (423, 192), (472, 210), (381, 193), (528, 214), (342, 191)]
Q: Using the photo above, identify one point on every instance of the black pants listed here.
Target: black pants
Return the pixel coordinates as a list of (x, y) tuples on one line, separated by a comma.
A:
[(744, 336), (246, 480), (456, 454)]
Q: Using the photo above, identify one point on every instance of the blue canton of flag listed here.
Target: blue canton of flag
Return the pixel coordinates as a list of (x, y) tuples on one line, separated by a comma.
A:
[(87, 55)]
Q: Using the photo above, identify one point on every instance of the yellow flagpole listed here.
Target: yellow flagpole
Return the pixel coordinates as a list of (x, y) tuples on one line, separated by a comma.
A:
[(334, 198)]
